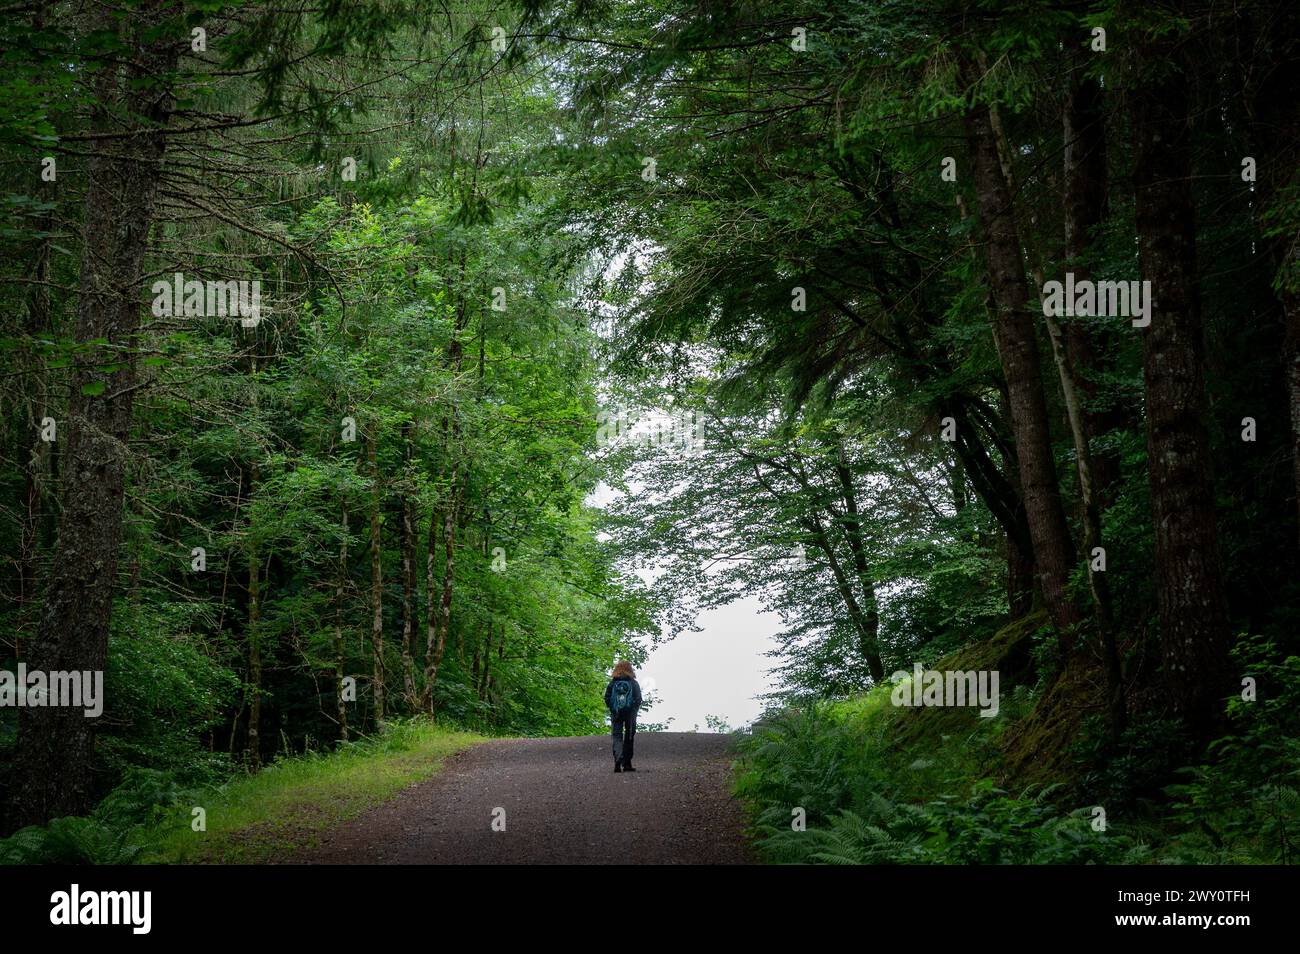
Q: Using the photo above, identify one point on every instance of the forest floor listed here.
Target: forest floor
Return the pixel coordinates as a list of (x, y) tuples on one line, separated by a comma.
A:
[(558, 801)]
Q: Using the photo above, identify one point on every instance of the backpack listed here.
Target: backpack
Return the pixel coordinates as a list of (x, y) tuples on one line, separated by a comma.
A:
[(620, 697)]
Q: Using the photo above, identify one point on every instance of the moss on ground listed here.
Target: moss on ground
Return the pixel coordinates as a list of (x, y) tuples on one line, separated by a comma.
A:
[(926, 748)]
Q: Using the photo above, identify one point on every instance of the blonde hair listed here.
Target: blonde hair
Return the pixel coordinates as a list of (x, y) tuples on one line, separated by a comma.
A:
[(624, 670)]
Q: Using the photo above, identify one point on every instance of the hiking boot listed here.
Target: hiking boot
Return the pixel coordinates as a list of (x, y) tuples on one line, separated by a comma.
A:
[(617, 768), (628, 767)]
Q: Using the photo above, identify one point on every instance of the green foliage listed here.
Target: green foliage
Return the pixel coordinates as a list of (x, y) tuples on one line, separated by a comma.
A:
[(379, 306), (1245, 800), (169, 690), (148, 817), (988, 827), (865, 803), (1133, 770), (798, 275), (878, 787), (111, 835), (70, 841)]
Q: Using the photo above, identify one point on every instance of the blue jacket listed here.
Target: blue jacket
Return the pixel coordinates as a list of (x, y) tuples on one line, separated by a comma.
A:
[(636, 694)]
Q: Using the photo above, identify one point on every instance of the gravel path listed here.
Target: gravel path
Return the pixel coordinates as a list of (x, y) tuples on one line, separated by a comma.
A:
[(562, 804)]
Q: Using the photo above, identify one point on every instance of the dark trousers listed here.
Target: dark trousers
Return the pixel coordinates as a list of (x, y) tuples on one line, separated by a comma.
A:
[(623, 731)]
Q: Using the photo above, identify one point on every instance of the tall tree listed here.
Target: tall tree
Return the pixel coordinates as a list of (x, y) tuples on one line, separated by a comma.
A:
[(1017, 342), (133, 106), (376, 574), (1188, 575)]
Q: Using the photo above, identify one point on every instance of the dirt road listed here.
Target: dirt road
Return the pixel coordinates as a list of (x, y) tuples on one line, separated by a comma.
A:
[(559, 802)]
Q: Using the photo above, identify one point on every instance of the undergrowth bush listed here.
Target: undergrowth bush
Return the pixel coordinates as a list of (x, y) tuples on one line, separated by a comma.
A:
[(867, 801), (1243, 803), (149, 805), (109, 835), (881, 785)]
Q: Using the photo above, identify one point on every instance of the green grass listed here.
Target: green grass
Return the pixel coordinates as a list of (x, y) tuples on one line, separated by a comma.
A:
[(286, 806)]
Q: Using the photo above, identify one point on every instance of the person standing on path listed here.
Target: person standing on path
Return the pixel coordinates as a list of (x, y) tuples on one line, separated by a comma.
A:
[(623, 699)]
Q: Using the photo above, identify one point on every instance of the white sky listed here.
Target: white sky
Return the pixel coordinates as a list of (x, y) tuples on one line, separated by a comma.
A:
[(719, 671)]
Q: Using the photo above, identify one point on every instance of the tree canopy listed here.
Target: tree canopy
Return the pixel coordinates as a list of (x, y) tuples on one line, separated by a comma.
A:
[(940, 317)]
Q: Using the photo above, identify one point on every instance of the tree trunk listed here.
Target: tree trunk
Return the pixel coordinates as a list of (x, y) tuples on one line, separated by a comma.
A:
[(1076, 358), (254, 641), (853, 530), (438, 626), (431, 614), (996, 486), (1085, 186), (487, 665), (1076, 416), (33, 452), (999, 489), (1291, 302), (1189, 586), (55, 757), (408, 577), (956, 475), (1274, 141), (254, 599), (340, 659), (865, 621), (1013, 331), (439, 633), (376, 579), (1020, 580)]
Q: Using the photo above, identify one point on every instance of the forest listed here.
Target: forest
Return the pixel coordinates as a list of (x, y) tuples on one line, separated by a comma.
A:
[(975, 326)]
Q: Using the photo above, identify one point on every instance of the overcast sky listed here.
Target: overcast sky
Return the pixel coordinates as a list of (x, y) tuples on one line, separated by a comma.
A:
[(719, 671)]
